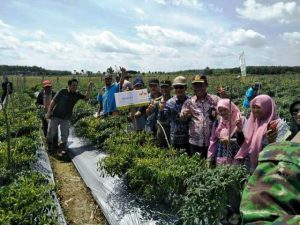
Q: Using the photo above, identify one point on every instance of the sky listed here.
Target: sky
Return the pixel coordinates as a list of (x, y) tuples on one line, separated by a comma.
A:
[(149, 35)]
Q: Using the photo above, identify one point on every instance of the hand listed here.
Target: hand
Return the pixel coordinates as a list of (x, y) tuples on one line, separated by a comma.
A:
[(239, 124), (186, 114), (90, 85), (123, 70), (150, 107), (162, 105), (272, 135), (137, 114), (224, 141), (221, 92), (48, 115)]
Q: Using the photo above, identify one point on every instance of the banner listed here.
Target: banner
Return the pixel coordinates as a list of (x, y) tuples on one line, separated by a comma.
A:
[(134, 98), (243, 64)]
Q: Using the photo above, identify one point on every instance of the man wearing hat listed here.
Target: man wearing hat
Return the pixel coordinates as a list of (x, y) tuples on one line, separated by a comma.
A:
[(106, 99), (162, 128), (42, 102), (61, 109), (169, 114), (151, 115), (138, 114), (250, 94), (197, 111)]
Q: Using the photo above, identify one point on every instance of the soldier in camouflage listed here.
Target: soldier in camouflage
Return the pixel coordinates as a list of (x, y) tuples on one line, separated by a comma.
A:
[(272, 195)]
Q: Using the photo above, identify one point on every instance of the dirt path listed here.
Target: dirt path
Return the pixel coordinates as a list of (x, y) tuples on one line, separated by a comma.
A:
[(76, 200)]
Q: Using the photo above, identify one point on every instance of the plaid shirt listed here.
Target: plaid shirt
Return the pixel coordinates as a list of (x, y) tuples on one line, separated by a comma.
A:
[(171, 115), (200, 124)]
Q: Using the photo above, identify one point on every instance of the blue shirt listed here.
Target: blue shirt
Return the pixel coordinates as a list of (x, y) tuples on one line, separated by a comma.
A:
[(179, 130), (248, 97), (107, 98)]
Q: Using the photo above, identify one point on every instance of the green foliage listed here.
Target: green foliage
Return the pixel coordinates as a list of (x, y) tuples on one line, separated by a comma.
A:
[(25, 196), (27, 201), (200, 195), (209, 192)]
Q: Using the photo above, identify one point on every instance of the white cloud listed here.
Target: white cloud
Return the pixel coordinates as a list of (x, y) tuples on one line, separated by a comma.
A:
[(243, 37), (280, 11), (8, 41), (107, 42), (179, 2), (139, 11), (292, 38), (39, 34), (157, 34), (4, 25), (53, 47), (215, 8)]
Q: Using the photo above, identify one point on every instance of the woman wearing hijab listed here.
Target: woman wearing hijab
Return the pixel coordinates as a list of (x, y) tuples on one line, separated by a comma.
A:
[(223, 148), (295, 123), (263, 127)]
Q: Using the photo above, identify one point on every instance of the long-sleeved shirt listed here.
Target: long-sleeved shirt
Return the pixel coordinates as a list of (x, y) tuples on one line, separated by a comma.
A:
[(200, 124), (171, 115)]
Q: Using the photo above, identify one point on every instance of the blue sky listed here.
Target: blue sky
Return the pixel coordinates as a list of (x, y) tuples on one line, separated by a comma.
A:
[(155, 35)]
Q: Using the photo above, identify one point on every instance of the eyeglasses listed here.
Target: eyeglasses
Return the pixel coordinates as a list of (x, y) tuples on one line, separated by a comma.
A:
[(179, 87)]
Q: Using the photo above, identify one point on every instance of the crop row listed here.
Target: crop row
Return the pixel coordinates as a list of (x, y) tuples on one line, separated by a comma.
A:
[(26, 196), (199, 195)]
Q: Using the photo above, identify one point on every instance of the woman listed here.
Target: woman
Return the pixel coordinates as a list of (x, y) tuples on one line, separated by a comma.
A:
[(263, 127), (295, 113), (220, 150)]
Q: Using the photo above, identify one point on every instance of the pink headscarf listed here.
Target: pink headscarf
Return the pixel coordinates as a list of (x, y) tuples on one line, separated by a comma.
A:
[(256, 128), (222, 131)]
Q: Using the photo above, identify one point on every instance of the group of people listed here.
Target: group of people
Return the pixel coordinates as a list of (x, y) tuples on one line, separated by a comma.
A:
[(210, 125), (56, 110)]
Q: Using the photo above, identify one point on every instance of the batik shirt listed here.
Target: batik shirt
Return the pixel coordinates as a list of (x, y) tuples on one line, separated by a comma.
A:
[(200, 124), (171, 115)]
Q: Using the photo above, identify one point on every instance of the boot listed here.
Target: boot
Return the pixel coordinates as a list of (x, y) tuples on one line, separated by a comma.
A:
[(62, 149)]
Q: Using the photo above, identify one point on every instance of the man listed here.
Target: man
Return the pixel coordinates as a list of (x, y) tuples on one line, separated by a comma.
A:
[(250, 94), (170, 114), (43, 101), (162, 128), (151, 115), (7, 88), (107, 100), (60, 111), (138, 114), (198, 112), (127, 86), (272, 194)]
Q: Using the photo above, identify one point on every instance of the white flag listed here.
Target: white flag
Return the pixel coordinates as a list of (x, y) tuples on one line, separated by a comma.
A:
[(243, 64)]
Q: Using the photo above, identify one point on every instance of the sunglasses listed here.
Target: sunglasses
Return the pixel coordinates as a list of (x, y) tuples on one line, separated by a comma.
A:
[(179, 87)]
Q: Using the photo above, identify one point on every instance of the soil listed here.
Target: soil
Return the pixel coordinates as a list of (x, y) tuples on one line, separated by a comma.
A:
[(75, 199)]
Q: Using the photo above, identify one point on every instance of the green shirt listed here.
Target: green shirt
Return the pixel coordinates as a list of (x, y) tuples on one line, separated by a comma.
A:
[(65, 102)]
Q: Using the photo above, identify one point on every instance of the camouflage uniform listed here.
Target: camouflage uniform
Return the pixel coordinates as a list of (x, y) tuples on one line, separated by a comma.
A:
[(272, 195)]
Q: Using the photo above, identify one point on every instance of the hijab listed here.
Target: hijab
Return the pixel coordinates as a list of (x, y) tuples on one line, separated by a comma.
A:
[(256, 128)]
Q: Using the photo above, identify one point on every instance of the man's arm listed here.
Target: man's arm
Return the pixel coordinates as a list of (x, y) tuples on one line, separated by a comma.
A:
[(100, 108), (50, 109), (89, 91), (123, 73)]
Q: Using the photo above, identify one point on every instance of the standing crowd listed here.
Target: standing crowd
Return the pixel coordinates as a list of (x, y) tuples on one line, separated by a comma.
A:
[(209, 125)]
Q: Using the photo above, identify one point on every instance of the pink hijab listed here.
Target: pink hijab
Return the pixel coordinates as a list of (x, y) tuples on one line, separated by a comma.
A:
[(256, 128), (222, 131)]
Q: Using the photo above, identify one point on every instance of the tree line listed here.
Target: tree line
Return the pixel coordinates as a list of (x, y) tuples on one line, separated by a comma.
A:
[(257, 70)]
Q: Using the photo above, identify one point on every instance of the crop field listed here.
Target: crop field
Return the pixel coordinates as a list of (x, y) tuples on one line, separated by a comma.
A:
[(283, 88), (197, 194)]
